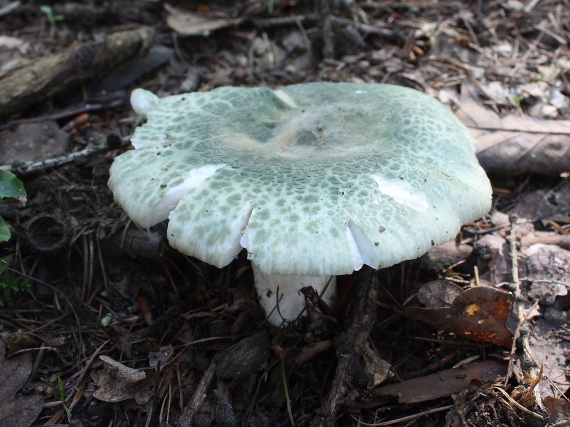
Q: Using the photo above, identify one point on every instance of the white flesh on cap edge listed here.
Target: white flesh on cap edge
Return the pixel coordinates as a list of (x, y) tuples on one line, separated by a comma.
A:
[(313, 180)]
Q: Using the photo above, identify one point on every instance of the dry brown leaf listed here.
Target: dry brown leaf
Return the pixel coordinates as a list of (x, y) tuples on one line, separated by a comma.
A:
[(438, 294), (544, 339), (188, 23), (479, 313), (21, 411), (549, 354), (558, 410), (378, 369), (514, 145), (545, 204), (443, 383)]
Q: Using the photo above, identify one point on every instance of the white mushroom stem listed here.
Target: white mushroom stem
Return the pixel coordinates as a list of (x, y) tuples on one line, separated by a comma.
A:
[(285, 289)]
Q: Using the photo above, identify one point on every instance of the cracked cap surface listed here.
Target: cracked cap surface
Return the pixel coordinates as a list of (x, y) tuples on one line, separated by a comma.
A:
[(312, 179)]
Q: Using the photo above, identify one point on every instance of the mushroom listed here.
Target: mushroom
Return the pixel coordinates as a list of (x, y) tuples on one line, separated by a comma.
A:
[(313, 180)]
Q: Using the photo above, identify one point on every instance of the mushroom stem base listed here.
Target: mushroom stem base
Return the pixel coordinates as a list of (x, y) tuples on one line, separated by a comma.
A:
[(285, 289)]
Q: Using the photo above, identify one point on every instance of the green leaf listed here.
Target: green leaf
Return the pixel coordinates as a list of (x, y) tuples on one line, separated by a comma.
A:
[(10, 186), (4, 232), (3, 265)]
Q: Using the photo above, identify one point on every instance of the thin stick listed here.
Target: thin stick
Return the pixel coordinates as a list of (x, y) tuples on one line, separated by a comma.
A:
[(515, 403), (517, 292), (29, 167), (514, 256), (408, 418)]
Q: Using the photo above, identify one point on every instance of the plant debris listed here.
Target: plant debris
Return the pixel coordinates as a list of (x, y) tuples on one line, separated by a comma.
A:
[(480, 313), (443, 383), (20, 411), (138, 334)]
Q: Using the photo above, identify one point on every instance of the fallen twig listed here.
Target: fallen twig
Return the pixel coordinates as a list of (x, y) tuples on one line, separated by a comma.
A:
[(350, 348), (400, 420), (30, 167), (519, 304), (185, 419), (84, 108), (328, 44)]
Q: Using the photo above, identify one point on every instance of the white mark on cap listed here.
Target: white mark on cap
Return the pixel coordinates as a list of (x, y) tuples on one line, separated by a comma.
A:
[(402, 192)]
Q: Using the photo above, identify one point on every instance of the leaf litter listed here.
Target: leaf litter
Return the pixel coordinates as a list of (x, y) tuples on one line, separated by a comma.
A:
[(16, 411), (197, 333), (512, 144)]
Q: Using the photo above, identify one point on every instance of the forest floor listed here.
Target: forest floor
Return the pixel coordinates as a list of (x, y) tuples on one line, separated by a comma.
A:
[(104, 324)]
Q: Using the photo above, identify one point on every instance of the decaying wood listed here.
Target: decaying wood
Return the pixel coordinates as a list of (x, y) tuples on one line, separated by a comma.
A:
[(37, 81), (350, 346), (328, 44)]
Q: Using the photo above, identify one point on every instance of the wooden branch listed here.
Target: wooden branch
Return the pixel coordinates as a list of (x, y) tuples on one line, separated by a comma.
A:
[(350, 346), (328, 43), (198, 397), (38, 80)]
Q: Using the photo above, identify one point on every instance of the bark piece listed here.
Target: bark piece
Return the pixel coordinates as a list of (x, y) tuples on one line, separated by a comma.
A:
[(224, 413), (40, 79), (245, 357), (445, 255)]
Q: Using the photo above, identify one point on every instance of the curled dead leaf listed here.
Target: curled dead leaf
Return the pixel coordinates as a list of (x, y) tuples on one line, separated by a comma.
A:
[(118, 382), (377, 368), (479, 313), (438, 294), (189, 23)]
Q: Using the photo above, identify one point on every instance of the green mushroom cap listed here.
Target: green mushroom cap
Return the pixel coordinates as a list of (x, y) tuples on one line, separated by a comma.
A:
[(312, 179)]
